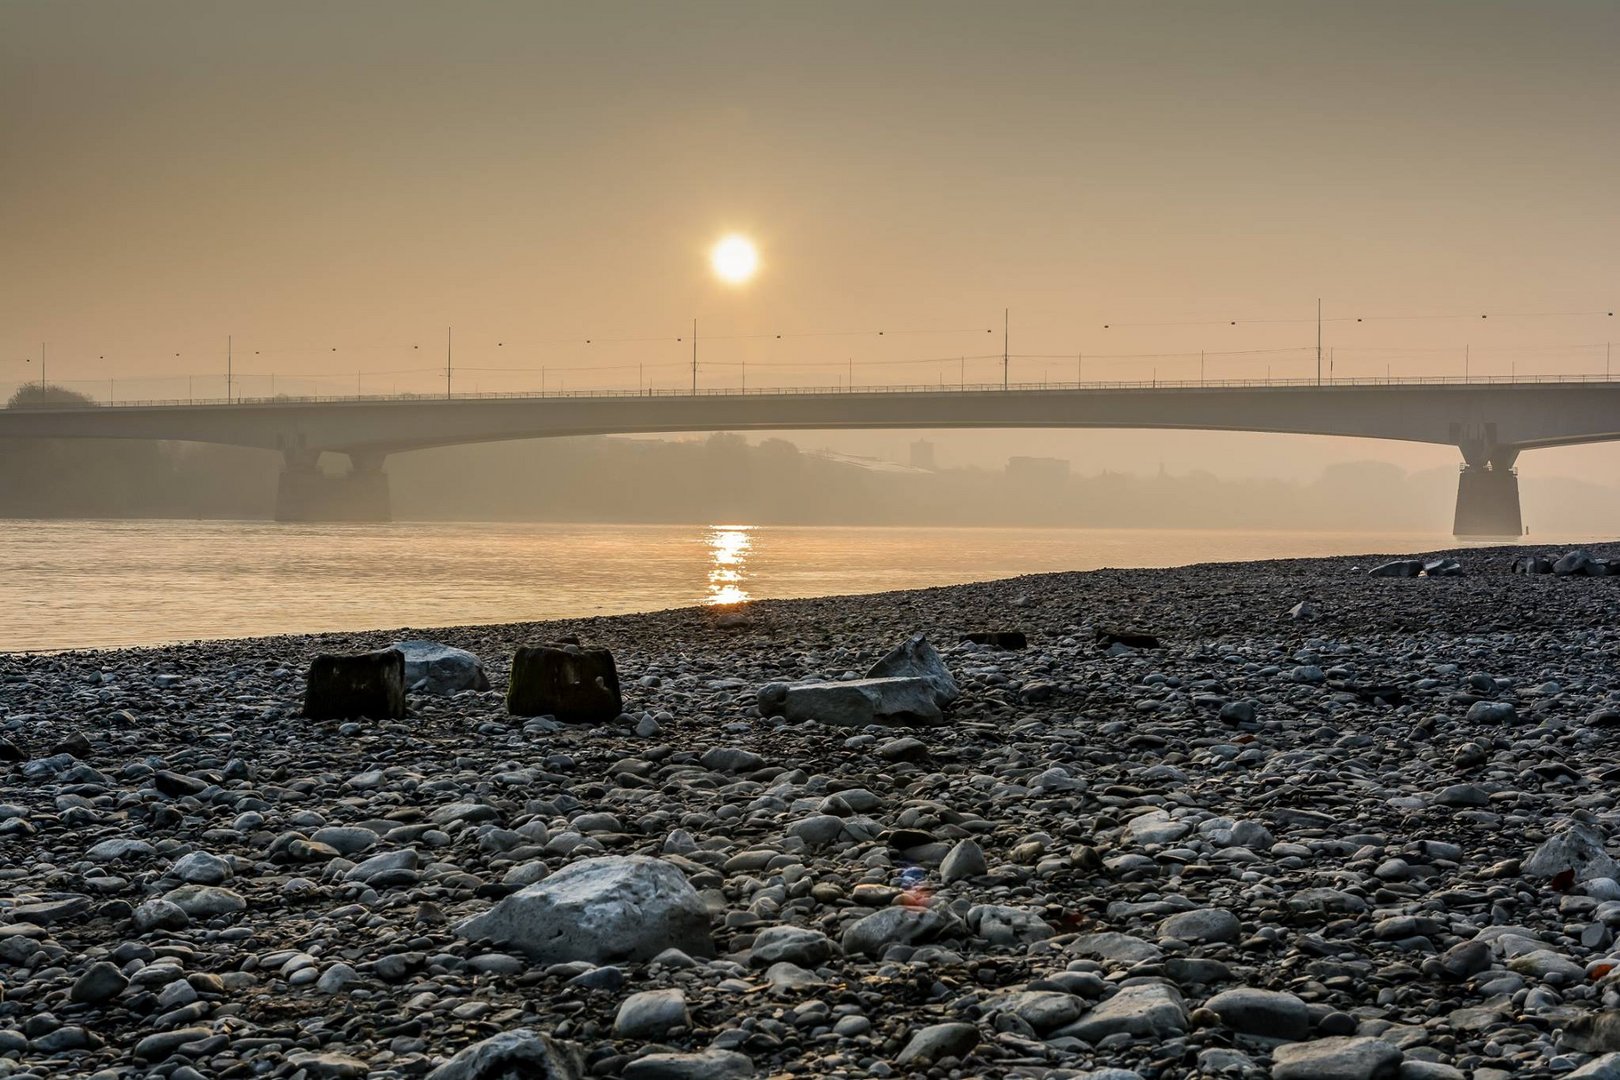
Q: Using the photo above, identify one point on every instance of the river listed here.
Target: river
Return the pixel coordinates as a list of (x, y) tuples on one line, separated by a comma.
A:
[(82, 584)]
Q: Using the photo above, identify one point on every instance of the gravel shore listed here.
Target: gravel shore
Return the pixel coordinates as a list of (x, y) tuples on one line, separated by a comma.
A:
[(1272, 845)]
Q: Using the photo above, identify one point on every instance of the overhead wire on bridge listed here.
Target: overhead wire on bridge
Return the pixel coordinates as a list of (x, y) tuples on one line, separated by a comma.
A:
[(1311, 321)]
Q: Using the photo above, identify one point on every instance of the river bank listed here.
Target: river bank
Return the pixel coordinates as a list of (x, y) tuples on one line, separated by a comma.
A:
[(1310, 809)]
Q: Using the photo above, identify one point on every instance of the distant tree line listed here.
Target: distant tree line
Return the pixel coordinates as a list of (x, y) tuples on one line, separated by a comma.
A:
[(126, 477)]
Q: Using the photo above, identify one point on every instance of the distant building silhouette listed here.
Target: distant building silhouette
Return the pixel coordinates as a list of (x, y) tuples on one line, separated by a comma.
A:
[(1037, 470)]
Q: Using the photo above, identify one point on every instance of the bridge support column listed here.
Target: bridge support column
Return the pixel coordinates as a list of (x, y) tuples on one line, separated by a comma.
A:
[(307, 494), (1488, 498)]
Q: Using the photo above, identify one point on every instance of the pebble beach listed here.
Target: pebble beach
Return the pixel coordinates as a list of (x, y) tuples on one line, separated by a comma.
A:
[(1328, 825)]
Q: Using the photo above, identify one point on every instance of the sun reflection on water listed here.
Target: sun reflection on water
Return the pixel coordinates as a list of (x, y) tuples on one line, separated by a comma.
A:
[(728, 557)]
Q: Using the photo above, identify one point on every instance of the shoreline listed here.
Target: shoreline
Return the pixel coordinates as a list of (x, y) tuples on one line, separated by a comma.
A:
[(1480, 553), (1076, 870)]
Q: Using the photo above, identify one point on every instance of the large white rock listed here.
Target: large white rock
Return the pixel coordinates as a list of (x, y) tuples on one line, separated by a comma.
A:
[(1578, 848), (432, 668), (605, 910), (914, 658)]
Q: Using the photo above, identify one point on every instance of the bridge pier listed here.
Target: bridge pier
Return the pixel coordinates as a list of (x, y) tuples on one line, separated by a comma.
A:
[(306, 494), (1488, 496)]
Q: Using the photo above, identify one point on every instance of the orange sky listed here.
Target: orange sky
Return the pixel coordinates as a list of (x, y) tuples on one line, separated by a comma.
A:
[(334, 184)]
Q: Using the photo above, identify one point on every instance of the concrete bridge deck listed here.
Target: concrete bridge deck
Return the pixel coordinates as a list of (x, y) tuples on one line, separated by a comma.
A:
[(1490, 421)]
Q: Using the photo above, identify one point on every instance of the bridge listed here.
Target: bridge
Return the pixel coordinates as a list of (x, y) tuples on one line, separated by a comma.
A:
[(1490, 422)]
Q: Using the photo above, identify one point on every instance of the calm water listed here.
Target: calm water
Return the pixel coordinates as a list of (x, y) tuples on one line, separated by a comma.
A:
[(73, 584)]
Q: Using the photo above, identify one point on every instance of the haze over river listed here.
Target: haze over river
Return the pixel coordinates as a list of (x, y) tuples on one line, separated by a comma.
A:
[(81, 584)]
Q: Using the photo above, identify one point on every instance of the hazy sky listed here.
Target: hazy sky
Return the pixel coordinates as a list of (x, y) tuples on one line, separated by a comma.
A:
[(335, 183)]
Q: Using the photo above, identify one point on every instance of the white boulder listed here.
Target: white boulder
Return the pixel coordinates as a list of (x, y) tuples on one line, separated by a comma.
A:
[(604, 910)]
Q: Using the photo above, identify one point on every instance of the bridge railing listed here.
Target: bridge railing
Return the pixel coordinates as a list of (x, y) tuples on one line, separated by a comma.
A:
[(912, 388)]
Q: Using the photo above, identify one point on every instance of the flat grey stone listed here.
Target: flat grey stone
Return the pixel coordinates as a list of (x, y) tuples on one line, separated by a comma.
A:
[(1338, 1058)]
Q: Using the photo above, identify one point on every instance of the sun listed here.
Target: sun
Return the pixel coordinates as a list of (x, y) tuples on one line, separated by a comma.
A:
[(735, 259)]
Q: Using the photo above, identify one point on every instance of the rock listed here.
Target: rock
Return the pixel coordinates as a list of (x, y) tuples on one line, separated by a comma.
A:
[(1463, 795), (1267, 1013), (575, 684), (159, 1046), (709, 1064), (344, 840), (795, 944), (1003, 925), (895, 926), (1238, 713), (118, 849), (1147, 1010), (1592, 1033), (100, 982), (205, 900), (1042, 1010), (732, 759), (177, 785), (857, 702), (396, 866), (1577, 847), (432, 668), (1442, 567), (1464, 960), (520, 1052), (1413, 1069), (1574, 562), (328, 1065), (1532, 564), (49, 912), (201, 868), (907, 748), (1399, 568), (1340, 1058), (1113, 946), (966, 860), (938, 1041), (651, 1015), (914, 658), (1107, 637), (998, 639), (1302, 612), (1606, 1067), (818, 830), (1491, 712), (351, 686), (1202, 926), (160, 915), (1540, 963), (608, 909), (336, 979), (789, 979)]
